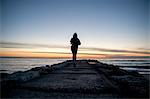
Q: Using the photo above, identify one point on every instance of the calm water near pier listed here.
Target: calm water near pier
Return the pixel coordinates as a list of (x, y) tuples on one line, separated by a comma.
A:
[(10, 65)]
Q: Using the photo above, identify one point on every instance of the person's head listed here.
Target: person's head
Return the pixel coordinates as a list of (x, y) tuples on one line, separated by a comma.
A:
[(75, 35)]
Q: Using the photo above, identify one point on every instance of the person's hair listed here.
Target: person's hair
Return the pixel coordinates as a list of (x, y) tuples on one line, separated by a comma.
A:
[(75, 35)]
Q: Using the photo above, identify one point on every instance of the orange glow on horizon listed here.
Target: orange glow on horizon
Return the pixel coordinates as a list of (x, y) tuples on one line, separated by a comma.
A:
[(60, 55), (31, 54), (46, 55)]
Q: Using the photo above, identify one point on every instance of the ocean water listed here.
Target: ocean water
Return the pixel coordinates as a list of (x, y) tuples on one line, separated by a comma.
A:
[(10, 65), (140, 65)]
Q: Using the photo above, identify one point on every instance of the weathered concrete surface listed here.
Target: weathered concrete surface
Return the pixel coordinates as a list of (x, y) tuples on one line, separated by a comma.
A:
[(71, 79), (27, 94), (89, 79)]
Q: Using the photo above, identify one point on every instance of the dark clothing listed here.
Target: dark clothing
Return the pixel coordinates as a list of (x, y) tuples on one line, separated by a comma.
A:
[(74, 48), (75, 42)]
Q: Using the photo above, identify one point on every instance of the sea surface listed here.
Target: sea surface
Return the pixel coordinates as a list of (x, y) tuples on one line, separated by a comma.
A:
[(11, 65)]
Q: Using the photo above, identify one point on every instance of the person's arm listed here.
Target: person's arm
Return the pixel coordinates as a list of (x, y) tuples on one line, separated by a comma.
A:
[(79, 43), (71, 41)]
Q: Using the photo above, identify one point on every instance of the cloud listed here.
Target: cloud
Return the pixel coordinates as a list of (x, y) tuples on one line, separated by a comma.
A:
[(27, 45), (126, 56), (71, 53), (115, 50), (144, 49)]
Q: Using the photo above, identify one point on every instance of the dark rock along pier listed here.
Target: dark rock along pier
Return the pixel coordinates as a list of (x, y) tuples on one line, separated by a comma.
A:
[(89, 79)]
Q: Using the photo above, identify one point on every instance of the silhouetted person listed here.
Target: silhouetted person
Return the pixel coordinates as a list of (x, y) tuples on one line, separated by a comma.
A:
[(74, 47)]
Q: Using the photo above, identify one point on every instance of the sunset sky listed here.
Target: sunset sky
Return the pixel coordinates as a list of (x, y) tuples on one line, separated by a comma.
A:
[(106, 28)]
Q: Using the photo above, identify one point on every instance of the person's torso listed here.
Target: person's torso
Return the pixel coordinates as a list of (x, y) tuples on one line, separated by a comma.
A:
[(75, 41)]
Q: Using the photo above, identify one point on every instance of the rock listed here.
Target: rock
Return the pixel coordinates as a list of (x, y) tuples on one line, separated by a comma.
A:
[(6, 87), (59, 66), (134, 73), (36, 69), (23, 76), (132, 86), (47, 66), (43, 70), (3, 75)]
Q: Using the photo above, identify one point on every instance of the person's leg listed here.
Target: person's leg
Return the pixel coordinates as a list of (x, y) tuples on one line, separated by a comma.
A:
[(75, 56), (74, 59), (72, 49), (74, 52)]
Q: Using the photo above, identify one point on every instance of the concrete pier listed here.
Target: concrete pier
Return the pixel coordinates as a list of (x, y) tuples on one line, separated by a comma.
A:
[(89, 79)]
